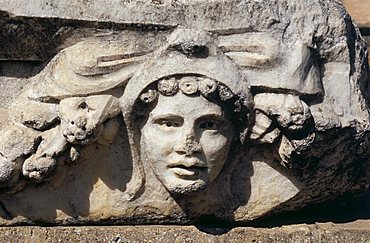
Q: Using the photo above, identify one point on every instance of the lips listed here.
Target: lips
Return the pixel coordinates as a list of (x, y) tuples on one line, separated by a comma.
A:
[(187, 167)]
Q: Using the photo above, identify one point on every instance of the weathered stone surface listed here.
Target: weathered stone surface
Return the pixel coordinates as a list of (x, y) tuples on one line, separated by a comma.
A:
[(359, 10), (165, 112), (324, 232)]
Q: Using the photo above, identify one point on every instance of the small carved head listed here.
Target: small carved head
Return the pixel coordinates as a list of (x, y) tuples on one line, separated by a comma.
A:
[(187, 130), (82, 118)]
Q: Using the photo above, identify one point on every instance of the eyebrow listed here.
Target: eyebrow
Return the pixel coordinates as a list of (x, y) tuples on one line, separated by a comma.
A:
[(163, 116), (218, 117)]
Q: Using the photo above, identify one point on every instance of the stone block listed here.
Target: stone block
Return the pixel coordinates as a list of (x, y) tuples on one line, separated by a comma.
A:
[(168, 112)]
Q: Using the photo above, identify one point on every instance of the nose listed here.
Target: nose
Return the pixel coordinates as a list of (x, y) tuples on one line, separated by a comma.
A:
[(79, 122), (188, 145)]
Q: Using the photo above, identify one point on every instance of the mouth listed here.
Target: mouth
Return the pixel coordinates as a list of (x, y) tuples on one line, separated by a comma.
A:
[(186, 169)]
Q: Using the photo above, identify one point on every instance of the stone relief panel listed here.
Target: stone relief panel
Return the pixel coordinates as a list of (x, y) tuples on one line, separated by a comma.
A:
[(167, 126)]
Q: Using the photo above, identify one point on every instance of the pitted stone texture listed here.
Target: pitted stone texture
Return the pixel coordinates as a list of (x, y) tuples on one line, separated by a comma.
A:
[(351, 232)]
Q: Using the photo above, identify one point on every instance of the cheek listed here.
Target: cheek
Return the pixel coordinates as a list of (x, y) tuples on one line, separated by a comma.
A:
[(157, 144), (215, 148)]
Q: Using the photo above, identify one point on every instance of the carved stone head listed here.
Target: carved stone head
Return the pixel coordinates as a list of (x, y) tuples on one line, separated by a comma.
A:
[(193, 106), (187, 132)]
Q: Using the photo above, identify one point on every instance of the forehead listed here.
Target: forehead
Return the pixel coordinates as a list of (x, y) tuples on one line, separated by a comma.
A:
[(186, 106)]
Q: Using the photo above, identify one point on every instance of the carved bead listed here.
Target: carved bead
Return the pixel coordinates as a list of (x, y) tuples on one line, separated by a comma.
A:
[(188, 86), (224, 92), (149, 96), (168, 86), (207, 87)]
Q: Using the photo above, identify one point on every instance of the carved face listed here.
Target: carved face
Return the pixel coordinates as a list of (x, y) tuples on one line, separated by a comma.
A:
[(186, 140), (82, 117)]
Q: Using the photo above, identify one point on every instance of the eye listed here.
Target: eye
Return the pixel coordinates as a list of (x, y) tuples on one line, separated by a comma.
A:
[(83, 105), (168, 124), (209, 125), (171, 124)]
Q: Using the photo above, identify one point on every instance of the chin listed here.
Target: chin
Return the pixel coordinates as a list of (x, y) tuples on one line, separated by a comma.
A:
[(187, 187)]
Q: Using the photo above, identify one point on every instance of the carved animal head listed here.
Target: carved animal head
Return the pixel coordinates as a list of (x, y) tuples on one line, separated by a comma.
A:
[(82, 117)]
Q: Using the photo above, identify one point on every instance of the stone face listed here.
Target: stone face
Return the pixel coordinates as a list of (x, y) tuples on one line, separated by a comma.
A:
[(183, 110)]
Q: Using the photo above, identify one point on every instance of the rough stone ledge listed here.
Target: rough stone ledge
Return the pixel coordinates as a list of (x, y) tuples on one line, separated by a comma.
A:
[(358, 231)]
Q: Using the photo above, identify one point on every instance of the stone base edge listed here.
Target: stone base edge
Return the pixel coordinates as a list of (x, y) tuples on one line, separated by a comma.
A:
[(358, 231)]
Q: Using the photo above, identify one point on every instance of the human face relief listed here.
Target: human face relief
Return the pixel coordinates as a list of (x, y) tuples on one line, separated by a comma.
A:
[(186, 140)]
